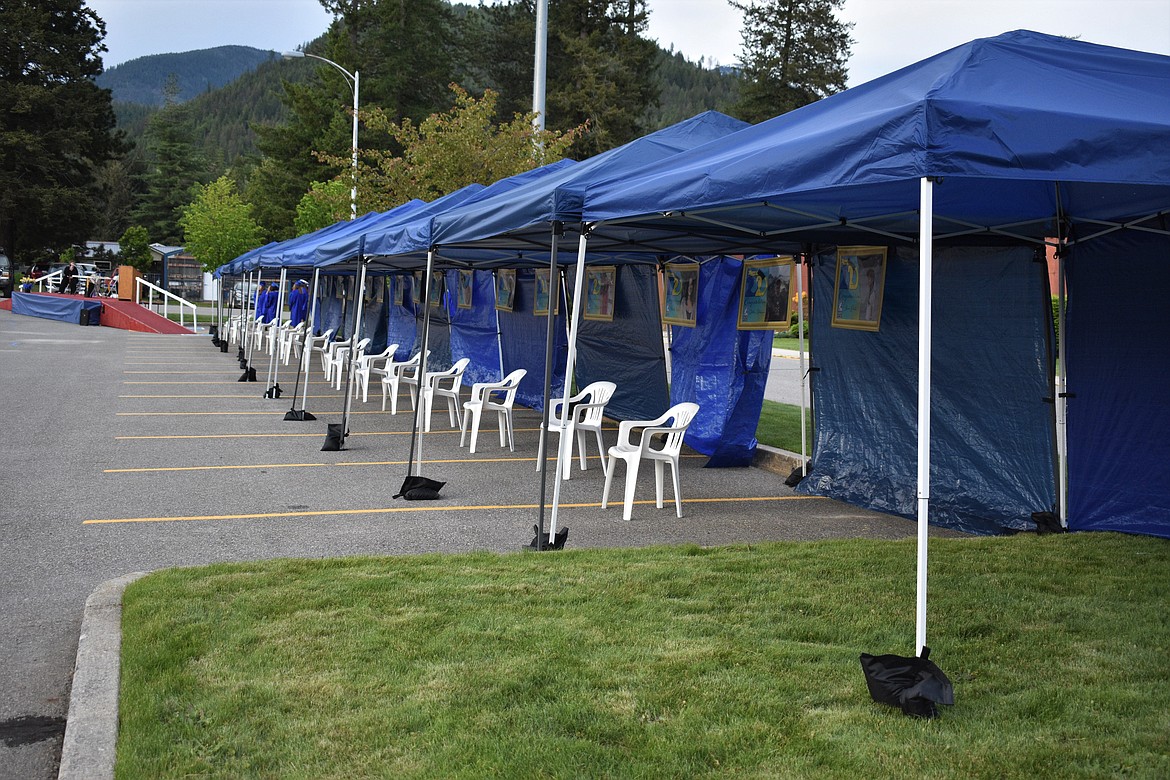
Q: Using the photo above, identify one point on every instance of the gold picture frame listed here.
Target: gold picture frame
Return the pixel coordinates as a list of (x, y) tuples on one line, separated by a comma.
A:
[(680, 294), (600, 292), (765, 294), (859, 287), (541, 294), (505, 289), (465, 290)]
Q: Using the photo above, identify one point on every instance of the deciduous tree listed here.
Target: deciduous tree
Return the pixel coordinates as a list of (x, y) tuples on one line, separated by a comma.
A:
[(135, 248), (449, 150), (218, 225)]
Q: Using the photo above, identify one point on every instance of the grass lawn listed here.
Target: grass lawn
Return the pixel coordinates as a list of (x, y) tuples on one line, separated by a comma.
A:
[(779, 426), (663, 662)]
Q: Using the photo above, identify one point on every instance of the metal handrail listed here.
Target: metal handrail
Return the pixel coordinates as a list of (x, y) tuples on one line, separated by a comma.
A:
[(44, 279), (166, 297)]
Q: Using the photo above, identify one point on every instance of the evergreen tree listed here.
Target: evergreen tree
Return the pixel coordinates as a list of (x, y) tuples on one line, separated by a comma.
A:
[(794, 53), (174, 165), (601, 70), (56, 125)]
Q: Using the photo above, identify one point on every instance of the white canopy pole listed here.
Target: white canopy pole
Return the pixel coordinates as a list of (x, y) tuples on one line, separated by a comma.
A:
[(574, 321), (273, 363), (346, 404), (309, 326), (420, 405), (925, 264), (803, 375)]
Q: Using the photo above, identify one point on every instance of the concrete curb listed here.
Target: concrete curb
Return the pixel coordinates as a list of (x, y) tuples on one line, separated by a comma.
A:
[(775, 460), (91, 729)]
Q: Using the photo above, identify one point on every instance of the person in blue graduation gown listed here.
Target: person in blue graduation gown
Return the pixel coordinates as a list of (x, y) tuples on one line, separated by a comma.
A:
[(298, 302)]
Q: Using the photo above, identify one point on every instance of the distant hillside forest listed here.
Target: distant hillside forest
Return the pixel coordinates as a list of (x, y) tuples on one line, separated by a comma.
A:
[(232, 88), (278, 128)]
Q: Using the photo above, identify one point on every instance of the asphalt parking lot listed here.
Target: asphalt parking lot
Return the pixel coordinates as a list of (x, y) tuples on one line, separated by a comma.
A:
[(131, 452)]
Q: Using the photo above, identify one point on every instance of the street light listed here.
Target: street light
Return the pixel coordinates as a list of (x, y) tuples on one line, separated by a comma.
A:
[(352, 78)]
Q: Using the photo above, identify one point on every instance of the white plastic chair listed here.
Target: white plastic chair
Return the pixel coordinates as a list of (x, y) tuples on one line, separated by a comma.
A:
[(318, 344), (328, 354), (369, 364), (396, 374), (587, 415), (341, 359), (290, 342), (492, 396), (446, 385), (679, 416)]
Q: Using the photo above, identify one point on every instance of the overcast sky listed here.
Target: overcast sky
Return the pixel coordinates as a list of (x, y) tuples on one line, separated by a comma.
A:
[(888, 34)]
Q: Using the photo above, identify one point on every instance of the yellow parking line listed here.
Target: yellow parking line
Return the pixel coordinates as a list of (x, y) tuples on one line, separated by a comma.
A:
[(416, 508), (211, 396), (342, 464)]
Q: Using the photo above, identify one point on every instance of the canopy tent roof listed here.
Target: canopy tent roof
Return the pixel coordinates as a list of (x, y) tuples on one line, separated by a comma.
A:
[(236, 267), (522, 218), (414, 236), (1014, 129)]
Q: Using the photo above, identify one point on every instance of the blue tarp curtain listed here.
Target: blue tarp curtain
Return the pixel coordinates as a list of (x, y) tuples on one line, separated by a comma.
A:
[(1118, 371), (401, 324), (722, 369), (473, 331), (627, 351), (374, 314), (992, 434), (330, 306), (523, 340), (439, 334)]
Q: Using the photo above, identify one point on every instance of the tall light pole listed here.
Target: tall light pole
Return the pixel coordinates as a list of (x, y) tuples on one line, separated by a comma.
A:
[(540, 66), (352, 78)]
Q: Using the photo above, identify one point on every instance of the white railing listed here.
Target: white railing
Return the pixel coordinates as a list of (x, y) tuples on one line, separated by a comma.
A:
[(163, 307), (53, 279)]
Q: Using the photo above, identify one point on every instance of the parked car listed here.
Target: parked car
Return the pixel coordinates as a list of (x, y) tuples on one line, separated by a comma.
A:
[(7, 276), (241, 293)]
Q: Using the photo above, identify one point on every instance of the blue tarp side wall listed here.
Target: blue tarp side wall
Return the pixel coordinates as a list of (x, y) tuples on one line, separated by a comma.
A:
[(330, 306), (439, 335), (1118, 372), (401, 324), (627, 351), (722, 369), (474, 331), (374, 314), (523, 341), (991, 429)]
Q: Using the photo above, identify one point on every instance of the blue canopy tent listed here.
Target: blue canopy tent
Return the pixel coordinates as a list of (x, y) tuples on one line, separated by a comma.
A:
[(1010, 141), (537, 216)]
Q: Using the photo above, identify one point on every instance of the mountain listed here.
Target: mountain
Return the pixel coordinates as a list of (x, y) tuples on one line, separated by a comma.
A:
[(142, 81), (231, 88)]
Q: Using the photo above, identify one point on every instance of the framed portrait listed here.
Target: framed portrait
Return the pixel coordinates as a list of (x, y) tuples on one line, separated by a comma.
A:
[(436, 296), (505, 289), (858, 287), (680, 300), (600, 292), (374, 287), (416, 286), (764, 300), (541, 296), (463, 301)]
